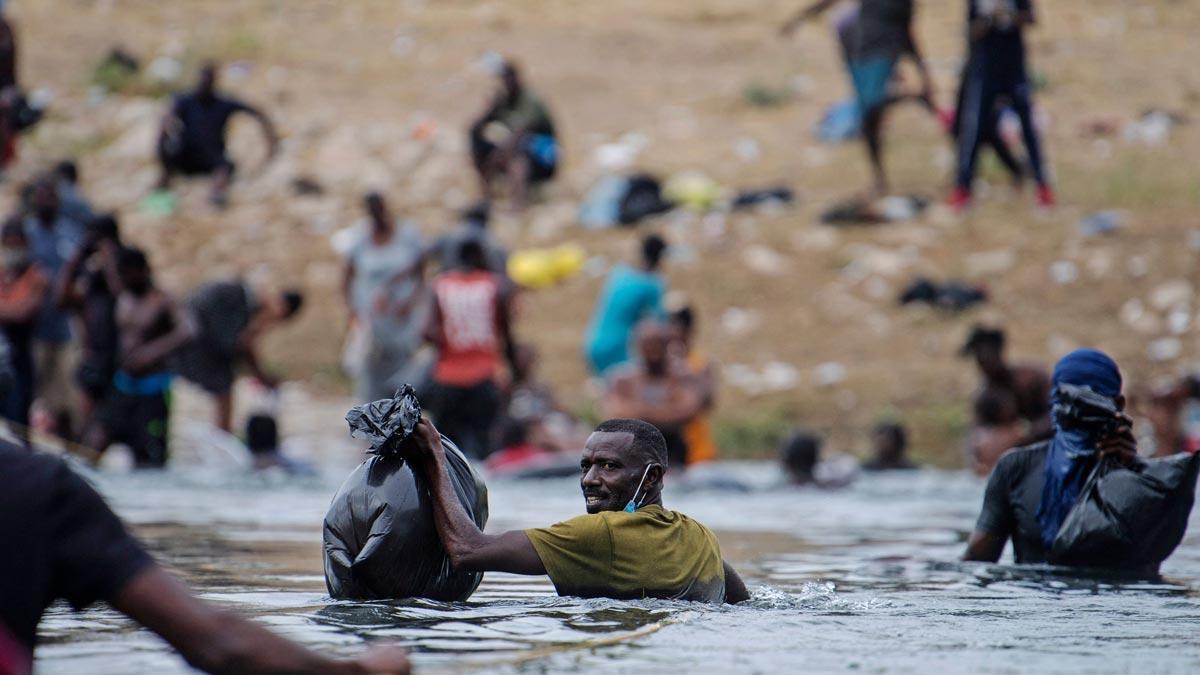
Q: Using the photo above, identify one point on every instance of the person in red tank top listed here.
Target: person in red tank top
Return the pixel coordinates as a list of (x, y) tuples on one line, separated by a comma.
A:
[(469, 327)]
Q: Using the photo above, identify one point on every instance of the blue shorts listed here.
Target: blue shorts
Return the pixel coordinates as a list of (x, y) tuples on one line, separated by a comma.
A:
[(871, 75)]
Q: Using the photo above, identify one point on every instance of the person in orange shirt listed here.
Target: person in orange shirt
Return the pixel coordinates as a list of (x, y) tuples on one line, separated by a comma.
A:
[(469, 327), (697, 434)]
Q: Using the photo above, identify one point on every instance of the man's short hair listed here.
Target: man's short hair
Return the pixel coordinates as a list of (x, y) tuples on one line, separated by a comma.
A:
[(653, 248), (67, 170), (293, 300), (983, 336), (896, 432), (801, 452), (647, 439), (132, 258)]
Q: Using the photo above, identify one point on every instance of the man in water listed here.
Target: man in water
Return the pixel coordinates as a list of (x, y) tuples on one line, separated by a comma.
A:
[(69, 545), (800, 457), (996, 70), (231, 318), (53, 240), (151, 326), (891, 447), (1033, 488), (192, 141), (470, 328), (629, 295), (874, 41), (515, 138), (628, 545), (1028, 385), (698, 435), (88, 287), (659, 388)]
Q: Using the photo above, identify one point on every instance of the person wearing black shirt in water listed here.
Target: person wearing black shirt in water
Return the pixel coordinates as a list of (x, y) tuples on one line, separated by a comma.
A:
[(63, 542)]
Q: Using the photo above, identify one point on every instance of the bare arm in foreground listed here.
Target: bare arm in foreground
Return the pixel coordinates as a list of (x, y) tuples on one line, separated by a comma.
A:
[(217, 641)]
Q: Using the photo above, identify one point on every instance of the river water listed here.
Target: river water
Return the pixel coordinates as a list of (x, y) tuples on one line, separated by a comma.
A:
[(861, 579)]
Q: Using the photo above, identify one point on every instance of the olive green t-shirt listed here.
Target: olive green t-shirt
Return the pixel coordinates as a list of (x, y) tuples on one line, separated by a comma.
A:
[(651, 553)]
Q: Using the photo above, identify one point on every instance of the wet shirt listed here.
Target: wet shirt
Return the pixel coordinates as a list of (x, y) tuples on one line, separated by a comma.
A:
[(469, 305), (206, 118), (651, 553), (1010, 503), (884, 28), (63, 542), (51, 247)]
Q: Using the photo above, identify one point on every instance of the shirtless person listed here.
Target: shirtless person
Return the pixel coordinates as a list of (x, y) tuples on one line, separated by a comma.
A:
[(658, 389), (151, 327), (1028, 386)]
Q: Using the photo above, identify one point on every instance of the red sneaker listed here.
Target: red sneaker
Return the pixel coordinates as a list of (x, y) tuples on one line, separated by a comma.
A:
[(1045, 197), (959, 200)]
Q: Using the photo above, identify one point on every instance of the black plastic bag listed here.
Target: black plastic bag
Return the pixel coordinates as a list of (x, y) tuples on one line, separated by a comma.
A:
[(1129, 518), (379, 536)]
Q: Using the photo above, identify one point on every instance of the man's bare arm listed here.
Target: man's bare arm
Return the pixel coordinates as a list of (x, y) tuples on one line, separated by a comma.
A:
[(735, 588), (984, 547), (150, 354), (217, 641), (469, 549)]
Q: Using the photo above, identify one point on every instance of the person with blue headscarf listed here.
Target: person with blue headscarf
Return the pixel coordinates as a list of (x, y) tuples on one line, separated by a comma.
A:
[(1033, 488)]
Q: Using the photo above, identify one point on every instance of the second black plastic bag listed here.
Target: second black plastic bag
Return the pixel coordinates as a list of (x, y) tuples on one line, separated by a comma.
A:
[(379, 536), (1129, 518)]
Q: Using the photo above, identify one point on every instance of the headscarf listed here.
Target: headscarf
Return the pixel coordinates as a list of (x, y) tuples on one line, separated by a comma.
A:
[(1071, 449)]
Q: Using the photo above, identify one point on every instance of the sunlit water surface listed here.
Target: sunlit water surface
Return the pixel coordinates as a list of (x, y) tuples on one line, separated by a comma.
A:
[(861, 579)]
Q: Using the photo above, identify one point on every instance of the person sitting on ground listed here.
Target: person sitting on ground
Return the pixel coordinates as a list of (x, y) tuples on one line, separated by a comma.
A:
[(658, 388), (891, 447), (151, 326), (88, 288), (384, 288), (74, 548), (514, 139), (800, 456), (231, 318), (1027, 383), (22, 287), (697, 434), (629, 295), (53, 240), (880, 37), (996, 429), (192, 140), (470, 327), (1033, 488), (627, 546), (473, 225)]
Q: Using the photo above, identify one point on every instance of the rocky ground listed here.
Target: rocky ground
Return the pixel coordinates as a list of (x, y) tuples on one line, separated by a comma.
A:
[(375, 94)]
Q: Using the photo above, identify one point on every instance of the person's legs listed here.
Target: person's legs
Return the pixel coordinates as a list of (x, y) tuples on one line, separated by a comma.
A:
[(1023, 106), (872, 136), (992, 138), (978, 102), (871, 76), (151, 414), (222, 178)]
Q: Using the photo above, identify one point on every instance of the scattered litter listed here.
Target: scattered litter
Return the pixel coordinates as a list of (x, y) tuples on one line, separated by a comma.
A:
[(239, 70), (1164, 349), (1134, 315), (159, 204), (951, 296), (780, 376), (692, 190), (1138, 266), (829, 374), (165, 70), (307, 186), (775, 376), (543, 268), (736, 322), (768, 196), (839, 123), (1172, 294), (1152, 128), (1179, 321), (622, 200), (1064, 272), (621, 155), (1101, 222), (747, 149), (859, 211), (764, 260)]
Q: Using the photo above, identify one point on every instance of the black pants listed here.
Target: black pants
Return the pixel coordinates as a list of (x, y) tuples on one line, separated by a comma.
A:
[(466, 415), (139, 421), (985, 82)]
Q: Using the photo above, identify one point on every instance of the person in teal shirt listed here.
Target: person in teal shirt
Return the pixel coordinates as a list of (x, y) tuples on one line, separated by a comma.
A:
[(629, 296)]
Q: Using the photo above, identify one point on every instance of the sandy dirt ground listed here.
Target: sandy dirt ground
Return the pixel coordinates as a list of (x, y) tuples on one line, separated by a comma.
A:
[(376, 94)]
